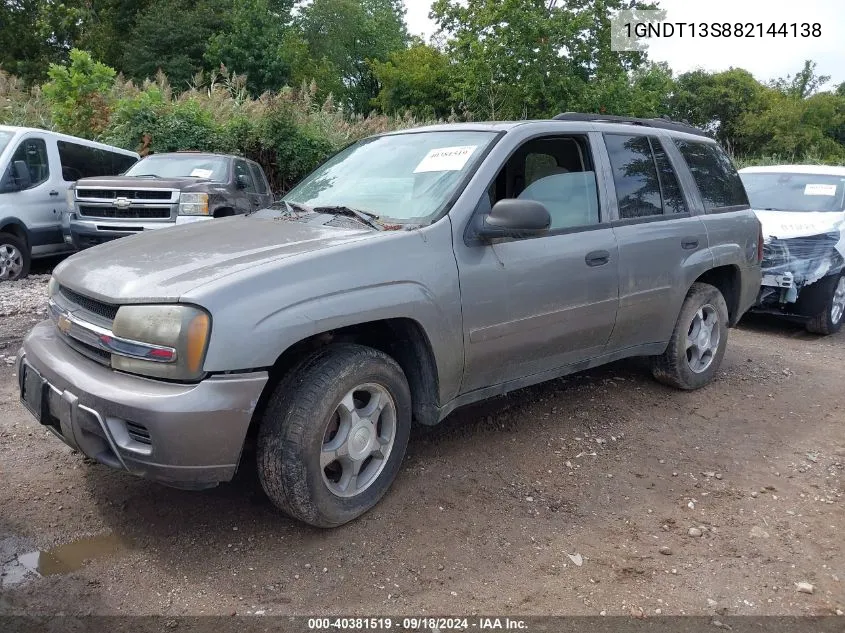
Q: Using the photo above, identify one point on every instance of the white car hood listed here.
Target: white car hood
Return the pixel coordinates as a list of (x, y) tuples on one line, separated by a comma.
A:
[(785, 225)]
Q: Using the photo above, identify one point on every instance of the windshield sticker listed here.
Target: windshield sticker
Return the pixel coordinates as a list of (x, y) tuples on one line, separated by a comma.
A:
[(446, 159), (202, 173), (820, 190)]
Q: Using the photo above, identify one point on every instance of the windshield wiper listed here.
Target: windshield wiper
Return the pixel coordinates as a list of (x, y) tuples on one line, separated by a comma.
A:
[(370, 219), (145, 176)]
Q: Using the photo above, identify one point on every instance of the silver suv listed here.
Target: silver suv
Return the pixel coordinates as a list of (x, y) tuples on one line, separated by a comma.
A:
[(412, 273)]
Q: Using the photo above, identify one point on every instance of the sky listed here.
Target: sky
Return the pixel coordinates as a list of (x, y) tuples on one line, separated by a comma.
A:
[(765, 58)]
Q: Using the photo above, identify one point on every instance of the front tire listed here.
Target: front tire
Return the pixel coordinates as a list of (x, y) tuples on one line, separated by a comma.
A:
[(824, 303), (334, 434), (698, 342), (14, 258)]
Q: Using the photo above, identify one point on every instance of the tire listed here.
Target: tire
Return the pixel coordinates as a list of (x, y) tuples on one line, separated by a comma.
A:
[(824, 303), (692, 366), (14, 257), (321, 409)]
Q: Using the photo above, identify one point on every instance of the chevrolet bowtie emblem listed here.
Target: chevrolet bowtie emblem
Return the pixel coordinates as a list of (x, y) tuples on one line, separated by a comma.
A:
[(63, 323), (122, 203)]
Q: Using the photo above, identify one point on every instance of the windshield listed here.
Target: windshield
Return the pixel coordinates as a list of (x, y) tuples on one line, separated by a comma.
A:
[(5, 137), (403, 177), (181, 166), (795, 192)]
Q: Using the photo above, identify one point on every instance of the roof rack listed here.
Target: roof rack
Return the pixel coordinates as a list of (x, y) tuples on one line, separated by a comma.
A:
[(664, 123)]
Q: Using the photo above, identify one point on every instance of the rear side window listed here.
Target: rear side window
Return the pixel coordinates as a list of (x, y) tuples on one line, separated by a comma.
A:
[(242, 175), (81, 161), (673, 197), (718, 182), (635, 176), (33, 152), (258, 178)]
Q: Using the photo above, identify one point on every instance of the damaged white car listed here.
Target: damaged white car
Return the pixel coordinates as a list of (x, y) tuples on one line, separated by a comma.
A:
[(802, 210)]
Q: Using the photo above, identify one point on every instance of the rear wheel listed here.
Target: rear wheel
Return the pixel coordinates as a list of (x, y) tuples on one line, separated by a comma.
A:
[(824, 303), (334, 434), (14, 257), (698, 342)]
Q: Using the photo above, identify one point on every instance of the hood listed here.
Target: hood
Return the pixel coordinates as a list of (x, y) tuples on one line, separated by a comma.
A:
[(131, 182), (788, 224), (164, 264)]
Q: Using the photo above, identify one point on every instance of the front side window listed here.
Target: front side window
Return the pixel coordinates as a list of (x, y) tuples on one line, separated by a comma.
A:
[(795, 192), (635, 176), (81, 161), (718, 183), (556, 172), (33, 152), (200, 166), (405, 177)]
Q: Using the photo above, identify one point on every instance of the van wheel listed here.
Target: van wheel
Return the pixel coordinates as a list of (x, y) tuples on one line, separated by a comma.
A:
[(333, 436), (824, 303), (14, 257), (698, 343)]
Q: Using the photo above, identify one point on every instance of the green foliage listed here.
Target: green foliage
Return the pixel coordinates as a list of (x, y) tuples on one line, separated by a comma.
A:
[(342, 37), (78, 94), (415, 80)]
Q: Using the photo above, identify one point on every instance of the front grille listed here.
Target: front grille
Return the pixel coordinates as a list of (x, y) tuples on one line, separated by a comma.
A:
[(139, 433), (132, 213), (132, 194), (94, 353), (101, 309)]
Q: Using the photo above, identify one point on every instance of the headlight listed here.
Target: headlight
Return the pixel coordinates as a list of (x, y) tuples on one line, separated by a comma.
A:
[(193, 204), (70, 198), (52, 287), (162, 341)]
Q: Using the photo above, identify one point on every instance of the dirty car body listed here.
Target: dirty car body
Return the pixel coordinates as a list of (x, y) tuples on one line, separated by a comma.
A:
[(412, 273), (802, 210), (161, 191)]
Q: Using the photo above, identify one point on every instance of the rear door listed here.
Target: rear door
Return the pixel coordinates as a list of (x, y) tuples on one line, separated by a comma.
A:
[(261, 185), (661, 242), (246, 184)]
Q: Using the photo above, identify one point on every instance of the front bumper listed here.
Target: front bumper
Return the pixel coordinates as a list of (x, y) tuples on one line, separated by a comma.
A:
[(83, 234), (188, 436)]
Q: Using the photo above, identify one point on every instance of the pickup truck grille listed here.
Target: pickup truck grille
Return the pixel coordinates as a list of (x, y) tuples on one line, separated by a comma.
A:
[(132, 213), (132, 194)]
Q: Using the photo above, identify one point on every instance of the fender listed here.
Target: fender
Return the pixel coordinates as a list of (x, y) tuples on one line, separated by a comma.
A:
[(11, 220)]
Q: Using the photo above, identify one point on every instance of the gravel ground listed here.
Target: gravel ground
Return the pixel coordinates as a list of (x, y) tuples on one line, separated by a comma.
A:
[(601, 493)]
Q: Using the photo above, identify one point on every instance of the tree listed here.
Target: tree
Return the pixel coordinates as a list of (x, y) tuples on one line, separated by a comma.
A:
[(172, 36), (719, 102), (254, 44), (804, 84), (343, 36), (527, 58), (414, 80), (78, 94)]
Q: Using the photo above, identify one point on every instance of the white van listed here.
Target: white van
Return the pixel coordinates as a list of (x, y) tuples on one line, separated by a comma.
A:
[(37, 166)]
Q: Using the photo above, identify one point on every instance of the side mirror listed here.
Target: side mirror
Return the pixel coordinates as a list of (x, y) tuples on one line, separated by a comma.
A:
[(515, 218), (21, 174)]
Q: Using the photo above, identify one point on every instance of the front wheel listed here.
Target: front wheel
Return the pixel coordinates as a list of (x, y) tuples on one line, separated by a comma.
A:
[(824, 302), (698, 342), (14, 258), (334, 434)]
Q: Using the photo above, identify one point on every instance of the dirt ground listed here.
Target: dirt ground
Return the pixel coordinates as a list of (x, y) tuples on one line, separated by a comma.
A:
[(575, 497)]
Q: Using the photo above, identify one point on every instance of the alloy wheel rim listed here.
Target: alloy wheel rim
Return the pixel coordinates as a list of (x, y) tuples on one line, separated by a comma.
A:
[(703, 338), (11, 261), (358, 440), (838, 304)]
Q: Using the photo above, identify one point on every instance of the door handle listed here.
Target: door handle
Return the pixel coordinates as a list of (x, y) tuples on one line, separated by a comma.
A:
[(689, 243), (54, 193), (597, 258)]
